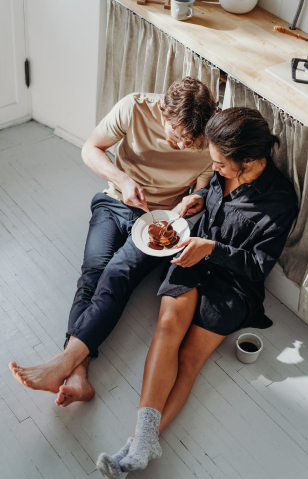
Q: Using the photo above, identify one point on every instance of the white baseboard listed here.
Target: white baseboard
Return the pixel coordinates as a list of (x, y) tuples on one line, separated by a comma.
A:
[(69, 137), (284, 289), (19, 121)]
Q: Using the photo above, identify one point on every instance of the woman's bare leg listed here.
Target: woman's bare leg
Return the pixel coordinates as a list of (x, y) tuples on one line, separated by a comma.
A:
[(196, 348), (161, 366), (160, 372), (168, 378), (51, 375)]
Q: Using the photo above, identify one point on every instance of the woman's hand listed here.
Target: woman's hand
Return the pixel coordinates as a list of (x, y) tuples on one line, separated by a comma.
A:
[(196, 250), (191, 205)]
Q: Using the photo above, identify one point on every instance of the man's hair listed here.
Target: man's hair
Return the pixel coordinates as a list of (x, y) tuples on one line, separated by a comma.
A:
[(190, 104)]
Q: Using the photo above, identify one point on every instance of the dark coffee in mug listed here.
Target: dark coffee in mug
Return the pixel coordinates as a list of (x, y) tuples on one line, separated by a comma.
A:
[(248, 347)]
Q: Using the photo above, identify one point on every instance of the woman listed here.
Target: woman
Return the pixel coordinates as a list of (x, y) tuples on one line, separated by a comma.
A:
[(215, 286)]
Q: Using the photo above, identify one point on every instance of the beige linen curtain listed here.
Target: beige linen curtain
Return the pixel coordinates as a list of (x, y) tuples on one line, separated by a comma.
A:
[(292, 159), (142, 58)]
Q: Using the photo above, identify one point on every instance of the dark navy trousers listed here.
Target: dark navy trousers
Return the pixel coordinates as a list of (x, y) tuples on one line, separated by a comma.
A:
[(113, 266)]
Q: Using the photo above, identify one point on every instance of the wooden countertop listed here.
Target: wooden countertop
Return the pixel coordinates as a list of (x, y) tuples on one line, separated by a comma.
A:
[(241, 45)]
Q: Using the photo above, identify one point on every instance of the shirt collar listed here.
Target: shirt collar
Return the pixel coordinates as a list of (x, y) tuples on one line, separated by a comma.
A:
[(266, 177), (260, 184)]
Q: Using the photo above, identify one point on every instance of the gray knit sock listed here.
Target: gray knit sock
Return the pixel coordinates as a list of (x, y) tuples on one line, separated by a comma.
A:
[(109, 465), (145, 445)]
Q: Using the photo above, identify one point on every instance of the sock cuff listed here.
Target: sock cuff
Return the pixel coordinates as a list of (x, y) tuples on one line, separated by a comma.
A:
[(149, 415)]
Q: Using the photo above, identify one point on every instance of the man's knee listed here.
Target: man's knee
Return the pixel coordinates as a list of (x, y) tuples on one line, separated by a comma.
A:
[(89, 278), (94, 264), (97, 200), (131, 264)]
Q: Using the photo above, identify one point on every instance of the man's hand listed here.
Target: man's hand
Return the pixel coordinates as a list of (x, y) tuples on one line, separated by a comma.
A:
[(191, 205), (196, 250), (133, 194)]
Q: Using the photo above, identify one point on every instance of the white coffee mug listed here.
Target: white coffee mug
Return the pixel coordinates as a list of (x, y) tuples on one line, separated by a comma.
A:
[(182, 9), (248, 356)]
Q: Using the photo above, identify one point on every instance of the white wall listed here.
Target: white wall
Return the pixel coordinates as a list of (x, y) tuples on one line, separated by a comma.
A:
[(286, 10), (66, 49)]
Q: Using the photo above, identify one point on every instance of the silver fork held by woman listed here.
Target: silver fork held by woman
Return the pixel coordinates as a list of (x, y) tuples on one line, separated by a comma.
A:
[(172, 221)]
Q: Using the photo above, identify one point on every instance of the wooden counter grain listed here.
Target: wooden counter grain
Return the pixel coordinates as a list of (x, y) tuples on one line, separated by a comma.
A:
[(241, 45)]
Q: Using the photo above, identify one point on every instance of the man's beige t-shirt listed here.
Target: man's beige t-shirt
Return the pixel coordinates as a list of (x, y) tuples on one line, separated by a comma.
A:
[(164, 174)]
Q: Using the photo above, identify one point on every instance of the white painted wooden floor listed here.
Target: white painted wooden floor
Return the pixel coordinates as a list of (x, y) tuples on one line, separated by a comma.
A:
[(247, 422)]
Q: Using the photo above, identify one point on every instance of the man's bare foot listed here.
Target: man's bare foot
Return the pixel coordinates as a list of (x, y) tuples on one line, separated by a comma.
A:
[(77, 387), (50, 376), (46, 377)]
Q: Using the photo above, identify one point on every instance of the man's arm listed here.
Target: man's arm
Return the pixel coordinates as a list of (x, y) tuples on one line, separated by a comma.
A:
[(111, 130), (95, 157), (205, 177), (201, 183)]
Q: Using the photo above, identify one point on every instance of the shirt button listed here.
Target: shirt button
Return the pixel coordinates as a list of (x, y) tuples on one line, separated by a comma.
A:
[(208, 272), (211, 219), (198, 284)]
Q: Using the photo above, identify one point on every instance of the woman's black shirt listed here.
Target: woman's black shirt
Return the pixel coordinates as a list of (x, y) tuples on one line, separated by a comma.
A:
[(250, 228)]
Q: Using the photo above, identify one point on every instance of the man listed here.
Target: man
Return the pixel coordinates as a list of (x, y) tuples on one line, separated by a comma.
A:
[(161, 155)]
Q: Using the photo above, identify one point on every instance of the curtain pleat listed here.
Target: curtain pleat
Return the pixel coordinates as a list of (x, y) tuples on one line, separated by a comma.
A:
[(142, 58), (140, 52), (292, 160)]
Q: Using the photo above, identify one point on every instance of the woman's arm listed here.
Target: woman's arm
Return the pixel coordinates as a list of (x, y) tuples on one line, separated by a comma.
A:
[(196, 250), (256, 265)]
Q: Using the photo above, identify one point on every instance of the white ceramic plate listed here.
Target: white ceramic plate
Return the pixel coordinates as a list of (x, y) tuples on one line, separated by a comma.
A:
[(140, 235)]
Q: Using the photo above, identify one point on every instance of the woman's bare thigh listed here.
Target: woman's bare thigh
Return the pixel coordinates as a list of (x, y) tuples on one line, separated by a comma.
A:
[(199, 344), (180, 310)]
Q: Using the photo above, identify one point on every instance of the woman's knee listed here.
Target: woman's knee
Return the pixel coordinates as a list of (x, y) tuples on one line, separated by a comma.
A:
[(167, 324)]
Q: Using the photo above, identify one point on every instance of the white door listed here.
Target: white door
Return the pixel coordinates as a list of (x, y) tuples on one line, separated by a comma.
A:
[(14, 95)]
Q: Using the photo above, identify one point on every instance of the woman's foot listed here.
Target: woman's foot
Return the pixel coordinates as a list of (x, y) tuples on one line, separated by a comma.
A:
[(45, 377), (145, 445), (109, 465), (77, 387)]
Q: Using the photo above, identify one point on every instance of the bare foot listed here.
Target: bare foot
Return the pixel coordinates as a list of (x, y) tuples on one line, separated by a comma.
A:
[(46, 377), (77, 387), (51, 375)]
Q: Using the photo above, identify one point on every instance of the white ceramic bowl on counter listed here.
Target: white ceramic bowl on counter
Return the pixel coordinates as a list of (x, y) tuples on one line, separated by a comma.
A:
[(238, 6)]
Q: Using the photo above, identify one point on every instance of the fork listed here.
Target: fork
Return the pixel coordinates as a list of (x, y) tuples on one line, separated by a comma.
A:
[(154, 222), (172, 221)]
